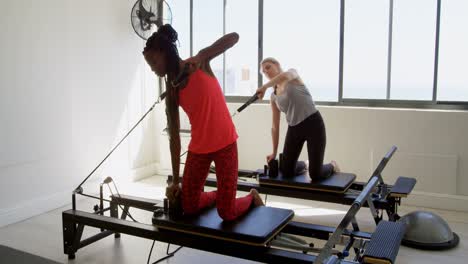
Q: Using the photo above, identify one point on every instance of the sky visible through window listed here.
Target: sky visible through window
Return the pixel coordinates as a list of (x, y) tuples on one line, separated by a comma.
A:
[(304, 35)]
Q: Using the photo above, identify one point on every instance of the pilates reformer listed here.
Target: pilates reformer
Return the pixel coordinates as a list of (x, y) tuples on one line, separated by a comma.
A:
[(339, 188), (264, 234)]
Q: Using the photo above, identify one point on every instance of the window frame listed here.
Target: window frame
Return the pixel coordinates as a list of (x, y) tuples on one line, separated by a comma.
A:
[(352, 102)]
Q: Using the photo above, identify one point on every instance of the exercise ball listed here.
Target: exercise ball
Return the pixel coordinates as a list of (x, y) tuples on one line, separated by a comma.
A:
[(426, 230)]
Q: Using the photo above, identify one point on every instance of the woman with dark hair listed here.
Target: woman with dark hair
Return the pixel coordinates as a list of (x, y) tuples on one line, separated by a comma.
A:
[(305, 123), (213, 135)]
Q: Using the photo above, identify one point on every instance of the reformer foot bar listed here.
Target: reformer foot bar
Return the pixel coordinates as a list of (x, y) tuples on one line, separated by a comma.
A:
[(339, 188), (264, 234)]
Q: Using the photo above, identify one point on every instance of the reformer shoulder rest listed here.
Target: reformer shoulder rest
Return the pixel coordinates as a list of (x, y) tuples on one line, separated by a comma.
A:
[(402, 187)]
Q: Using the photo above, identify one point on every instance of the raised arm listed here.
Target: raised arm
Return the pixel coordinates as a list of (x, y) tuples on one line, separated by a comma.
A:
[(204, 56), (218, 47)]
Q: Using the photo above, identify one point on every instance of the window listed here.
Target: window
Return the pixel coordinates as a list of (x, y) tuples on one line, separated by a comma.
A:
[(208, 23), (304, 35), (413, 49), (389, 47), (453, 51), (366, 49), (181, 23), (242, 59)]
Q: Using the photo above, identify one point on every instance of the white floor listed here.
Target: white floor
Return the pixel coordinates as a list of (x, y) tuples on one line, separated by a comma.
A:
[(42, 235)]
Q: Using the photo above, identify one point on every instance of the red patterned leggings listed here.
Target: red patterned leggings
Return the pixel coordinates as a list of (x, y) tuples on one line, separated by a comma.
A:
[(195, 173)]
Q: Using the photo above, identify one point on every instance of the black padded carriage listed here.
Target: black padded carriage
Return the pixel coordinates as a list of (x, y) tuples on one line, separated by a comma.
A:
[(256, 228), (338, 182)]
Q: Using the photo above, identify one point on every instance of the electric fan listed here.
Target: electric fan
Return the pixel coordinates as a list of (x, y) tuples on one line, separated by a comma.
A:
[(148, 15)]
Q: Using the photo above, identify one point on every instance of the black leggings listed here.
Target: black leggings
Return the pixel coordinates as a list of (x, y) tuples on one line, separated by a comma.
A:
[(312, 130)]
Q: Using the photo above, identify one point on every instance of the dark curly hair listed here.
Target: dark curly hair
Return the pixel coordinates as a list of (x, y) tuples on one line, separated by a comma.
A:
[(164, 40)]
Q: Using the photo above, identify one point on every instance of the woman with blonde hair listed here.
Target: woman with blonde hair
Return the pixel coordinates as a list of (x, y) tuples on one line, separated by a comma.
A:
[(305, 123)]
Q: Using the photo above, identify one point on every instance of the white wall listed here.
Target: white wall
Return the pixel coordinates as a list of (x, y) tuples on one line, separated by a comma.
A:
[(72, 81), (432, 147)]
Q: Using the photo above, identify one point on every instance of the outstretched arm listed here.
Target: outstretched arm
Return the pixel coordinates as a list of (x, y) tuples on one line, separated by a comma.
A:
[(275, 126), (173, 127), (286, 76)]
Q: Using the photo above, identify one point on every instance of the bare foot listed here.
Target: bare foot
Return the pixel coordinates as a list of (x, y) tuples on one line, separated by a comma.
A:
[(257, 200), (336, 168)]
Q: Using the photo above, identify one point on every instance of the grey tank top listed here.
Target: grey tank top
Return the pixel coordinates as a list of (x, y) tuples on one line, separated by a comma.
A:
[(296, 101)]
